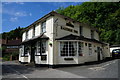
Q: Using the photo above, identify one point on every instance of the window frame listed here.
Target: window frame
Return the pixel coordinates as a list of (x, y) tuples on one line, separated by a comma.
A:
[(43, 27), (90, 49), (81, 30), (77, 46), (92, 34), (34, 31), (26, 35), (39, 44), (81, 48), (70, 24)]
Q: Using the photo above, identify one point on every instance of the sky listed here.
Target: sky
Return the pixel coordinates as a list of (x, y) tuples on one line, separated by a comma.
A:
[(23, 14)]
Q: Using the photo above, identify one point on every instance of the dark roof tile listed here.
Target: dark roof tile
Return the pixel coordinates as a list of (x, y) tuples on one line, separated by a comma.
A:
[(74, 37)]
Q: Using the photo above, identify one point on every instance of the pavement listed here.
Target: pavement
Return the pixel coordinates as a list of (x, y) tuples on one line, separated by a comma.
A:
[(106, 70)]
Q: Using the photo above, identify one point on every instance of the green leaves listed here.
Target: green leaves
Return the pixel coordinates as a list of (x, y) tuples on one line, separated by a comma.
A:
[(103, 15), (17, 33)]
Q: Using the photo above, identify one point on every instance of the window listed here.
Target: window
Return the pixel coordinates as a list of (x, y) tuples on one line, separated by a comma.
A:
[(43, 27), (68, 48), (85, 44), (26, 51), (26, 34), (90, 49), (34, 31), (81, 30), (21, 51), (41, 47), (80, 48), (92, 34)]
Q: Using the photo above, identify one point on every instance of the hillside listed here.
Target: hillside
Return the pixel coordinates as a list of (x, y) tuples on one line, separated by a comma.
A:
[(13, 34), (103, 16)]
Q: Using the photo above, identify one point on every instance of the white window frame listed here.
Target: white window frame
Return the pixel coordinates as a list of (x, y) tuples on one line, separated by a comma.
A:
[(82, 48), (77, 46), (26, 35), (43, 26), (90, 49), (34, 31), (38, 53)]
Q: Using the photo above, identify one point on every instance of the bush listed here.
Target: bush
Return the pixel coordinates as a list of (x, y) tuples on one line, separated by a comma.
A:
[(15, 55), (6, 57)]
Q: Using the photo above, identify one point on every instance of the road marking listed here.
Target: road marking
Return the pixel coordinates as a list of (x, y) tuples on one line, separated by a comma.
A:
[(108, 64), (17, 72), (102, 67)]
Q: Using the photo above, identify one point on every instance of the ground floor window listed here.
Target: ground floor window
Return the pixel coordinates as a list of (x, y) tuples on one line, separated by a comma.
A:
[(68, 48), (22, 50), (26, 50), (80, 48), (90, 48), (41, 47)]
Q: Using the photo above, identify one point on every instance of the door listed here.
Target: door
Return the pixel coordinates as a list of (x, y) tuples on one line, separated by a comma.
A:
[(33, 49), (98, 53)]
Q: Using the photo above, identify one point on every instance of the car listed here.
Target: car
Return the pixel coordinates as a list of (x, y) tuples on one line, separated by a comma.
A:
[(116, 53)]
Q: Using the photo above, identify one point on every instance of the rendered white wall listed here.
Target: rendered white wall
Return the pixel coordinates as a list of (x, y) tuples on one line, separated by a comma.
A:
[(49, 27), (58, 32), (96, 35)]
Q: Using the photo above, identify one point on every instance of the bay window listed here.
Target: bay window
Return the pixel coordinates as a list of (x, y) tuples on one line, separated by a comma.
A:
[(68, 48), (80, 48)]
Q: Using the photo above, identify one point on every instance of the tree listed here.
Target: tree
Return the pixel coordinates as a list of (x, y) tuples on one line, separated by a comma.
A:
[(103, 16)]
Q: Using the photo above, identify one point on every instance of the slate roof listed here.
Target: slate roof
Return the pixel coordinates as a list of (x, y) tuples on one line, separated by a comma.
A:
[(10, 42), (74, 37), (52, 13), (42, 36), (14, 42)]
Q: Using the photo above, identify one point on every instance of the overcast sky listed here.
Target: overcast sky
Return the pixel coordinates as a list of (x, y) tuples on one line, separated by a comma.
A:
[(22, 14)]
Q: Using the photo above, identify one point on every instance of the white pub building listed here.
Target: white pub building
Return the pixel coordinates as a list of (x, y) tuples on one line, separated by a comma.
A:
[(59, 40)]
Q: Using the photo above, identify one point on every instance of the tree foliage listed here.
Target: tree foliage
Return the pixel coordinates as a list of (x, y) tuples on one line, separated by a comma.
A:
[(13, 34), (105, 16)]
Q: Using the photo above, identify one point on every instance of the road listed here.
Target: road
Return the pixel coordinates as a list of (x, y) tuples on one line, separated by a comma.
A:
[(109, 69)]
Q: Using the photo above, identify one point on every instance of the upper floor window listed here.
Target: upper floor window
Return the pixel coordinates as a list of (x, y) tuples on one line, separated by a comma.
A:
[(33, 31), (81, 30), (26, 34), (43, 27), (92, 34)]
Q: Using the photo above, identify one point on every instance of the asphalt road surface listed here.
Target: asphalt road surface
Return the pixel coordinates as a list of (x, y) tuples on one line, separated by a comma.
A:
[(109, 69)]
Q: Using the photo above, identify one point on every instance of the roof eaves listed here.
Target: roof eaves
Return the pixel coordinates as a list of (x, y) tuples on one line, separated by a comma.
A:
[(39, 20)]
